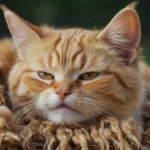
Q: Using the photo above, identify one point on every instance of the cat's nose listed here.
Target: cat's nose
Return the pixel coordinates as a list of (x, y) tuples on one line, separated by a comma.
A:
[(62, 93)]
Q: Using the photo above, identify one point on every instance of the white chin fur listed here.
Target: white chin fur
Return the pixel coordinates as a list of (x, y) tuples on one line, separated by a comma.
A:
[(65, 117)]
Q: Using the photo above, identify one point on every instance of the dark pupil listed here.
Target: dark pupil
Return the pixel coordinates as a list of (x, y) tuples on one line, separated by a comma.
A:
[(88, 75), (45, 74)]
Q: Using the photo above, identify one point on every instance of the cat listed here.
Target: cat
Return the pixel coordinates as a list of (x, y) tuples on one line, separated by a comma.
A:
[(75, 75)]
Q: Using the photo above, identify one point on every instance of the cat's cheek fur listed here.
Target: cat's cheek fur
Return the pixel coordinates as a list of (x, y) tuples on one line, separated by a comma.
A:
[(48, 100)]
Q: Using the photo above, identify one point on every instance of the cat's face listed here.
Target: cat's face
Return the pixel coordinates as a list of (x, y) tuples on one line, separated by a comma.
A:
[(74, 75)]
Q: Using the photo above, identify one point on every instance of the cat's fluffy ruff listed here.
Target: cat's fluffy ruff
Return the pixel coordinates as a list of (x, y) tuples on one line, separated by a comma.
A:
[(67, 54)]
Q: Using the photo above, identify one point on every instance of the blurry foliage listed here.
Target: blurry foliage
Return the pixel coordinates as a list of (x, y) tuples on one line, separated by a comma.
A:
[(92, 14)]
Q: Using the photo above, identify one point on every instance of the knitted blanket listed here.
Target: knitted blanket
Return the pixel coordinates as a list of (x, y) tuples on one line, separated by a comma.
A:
[(107, 133)]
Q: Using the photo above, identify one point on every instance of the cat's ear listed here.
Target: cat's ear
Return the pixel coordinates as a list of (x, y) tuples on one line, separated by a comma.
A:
[(123, 33), (23, 33)]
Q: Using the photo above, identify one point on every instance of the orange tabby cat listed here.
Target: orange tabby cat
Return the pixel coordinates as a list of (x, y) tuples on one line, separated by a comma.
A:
[(74, 75)]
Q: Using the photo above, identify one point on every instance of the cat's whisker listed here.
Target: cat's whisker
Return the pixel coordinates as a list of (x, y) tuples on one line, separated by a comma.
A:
[(31, 113), (91, 115), (26, 110), (100, 112), (115, 108), (23, 105), (88, 114), (105, 105), (101, 102)]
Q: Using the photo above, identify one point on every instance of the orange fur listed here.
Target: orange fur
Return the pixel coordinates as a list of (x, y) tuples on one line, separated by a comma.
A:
[(117, 92), (7, 58)]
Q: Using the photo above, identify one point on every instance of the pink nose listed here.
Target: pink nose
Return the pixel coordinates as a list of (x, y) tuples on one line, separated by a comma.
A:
[(62, 92)]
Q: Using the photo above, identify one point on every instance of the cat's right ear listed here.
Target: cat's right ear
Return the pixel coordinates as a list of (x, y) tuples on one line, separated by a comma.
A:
[(23, 33), (123, 33)]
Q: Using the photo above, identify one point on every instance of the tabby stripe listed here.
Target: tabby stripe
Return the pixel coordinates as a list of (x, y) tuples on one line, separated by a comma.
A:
[(80, 49), (83, 61), (50, 61), (120, 79), (17, 83), (58, 40), (36, 82), (64, 45), (65, 50)]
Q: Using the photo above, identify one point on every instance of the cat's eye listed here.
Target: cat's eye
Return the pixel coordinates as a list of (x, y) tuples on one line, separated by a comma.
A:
[(45, 75), (89, 76)]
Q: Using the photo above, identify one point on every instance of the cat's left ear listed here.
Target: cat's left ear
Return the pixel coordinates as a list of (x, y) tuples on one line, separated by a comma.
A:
[(123, 33), (23, 33)]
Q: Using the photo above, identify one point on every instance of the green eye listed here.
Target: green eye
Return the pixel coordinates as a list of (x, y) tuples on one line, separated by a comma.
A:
[(45, 76), (89, 76)]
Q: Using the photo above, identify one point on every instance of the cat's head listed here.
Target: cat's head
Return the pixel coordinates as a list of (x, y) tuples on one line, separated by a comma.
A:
[(74, 75)]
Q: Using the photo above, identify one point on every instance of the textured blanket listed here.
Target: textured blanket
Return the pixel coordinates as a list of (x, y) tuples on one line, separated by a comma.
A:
[(105, 134)]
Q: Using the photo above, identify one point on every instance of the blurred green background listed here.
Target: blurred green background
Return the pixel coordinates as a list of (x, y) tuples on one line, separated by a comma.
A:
[(91, 14)]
